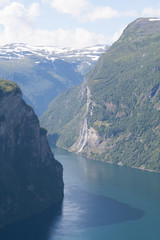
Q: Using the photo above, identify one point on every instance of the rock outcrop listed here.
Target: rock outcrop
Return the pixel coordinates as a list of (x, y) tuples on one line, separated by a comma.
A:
[(30, 177)]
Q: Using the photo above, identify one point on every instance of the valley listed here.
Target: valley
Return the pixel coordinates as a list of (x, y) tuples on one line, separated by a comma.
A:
[(44, 72)]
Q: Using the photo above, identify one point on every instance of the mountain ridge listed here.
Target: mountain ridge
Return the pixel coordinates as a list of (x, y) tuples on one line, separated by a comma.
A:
[(44, 72), (19, 50), (119, 123)]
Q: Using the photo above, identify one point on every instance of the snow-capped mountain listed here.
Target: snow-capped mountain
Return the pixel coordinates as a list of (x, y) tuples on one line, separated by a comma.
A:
[(20, 50), (44, 72)]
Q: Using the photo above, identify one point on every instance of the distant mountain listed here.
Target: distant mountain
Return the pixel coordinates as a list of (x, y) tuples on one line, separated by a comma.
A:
[(44, 72), (30, 177), (114, 115)]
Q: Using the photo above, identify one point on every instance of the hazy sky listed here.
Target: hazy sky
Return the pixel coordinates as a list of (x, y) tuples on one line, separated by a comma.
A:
[(73, 23)]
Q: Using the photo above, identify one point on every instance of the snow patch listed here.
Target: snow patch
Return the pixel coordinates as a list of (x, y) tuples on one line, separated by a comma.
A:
[(20, 50), (154, 19), (94, 58), (52, 59)]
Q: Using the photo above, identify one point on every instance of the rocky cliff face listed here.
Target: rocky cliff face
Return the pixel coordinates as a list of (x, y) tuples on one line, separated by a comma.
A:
[(30, 177)]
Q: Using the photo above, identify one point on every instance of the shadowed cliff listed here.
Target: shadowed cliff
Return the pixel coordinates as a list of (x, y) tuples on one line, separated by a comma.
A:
[(30, 177)]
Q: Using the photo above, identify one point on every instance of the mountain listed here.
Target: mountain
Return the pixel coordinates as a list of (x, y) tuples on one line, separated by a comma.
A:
[(114, 115), (30, 177), (44, 72)]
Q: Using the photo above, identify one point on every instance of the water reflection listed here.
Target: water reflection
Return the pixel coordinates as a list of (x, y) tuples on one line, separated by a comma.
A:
[(100, 174), (33, 228), (137, 181), (83, 210), (95, 197)]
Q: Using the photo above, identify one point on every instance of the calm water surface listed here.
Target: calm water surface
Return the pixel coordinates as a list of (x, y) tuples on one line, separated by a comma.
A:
[(102, 202)]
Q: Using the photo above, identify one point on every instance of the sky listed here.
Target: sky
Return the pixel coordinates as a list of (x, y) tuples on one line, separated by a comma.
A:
[(70, 23)]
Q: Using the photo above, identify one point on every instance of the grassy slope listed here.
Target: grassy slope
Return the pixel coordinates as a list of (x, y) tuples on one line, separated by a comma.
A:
[(7, 86)]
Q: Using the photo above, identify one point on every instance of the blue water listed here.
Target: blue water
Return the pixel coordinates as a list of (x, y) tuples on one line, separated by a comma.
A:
[(102, 202)]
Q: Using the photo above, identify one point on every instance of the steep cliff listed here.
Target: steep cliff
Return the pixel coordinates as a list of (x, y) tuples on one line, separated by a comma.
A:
[(30, 177), (121, 106)]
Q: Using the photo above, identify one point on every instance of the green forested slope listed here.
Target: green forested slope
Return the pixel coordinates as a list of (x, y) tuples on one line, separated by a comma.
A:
[(64, 116), (124, 101)]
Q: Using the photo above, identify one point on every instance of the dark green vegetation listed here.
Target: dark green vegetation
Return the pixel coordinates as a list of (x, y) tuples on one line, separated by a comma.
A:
[(64, 115), (123, 102), (7, 86), (30, 177)]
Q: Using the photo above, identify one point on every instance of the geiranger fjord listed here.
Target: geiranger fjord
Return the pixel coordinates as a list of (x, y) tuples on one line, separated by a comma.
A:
[(79, 120), (102, 201)]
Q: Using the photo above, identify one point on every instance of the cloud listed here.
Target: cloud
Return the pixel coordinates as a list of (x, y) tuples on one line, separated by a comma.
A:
[(101, 13), (84, 11), (77, 38), (75, 8), (4, 3), (34, 10), (151, 12), (19, 25), (17, 22)]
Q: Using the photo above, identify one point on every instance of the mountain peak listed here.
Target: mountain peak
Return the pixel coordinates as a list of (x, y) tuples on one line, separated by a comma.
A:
[(141, 28)]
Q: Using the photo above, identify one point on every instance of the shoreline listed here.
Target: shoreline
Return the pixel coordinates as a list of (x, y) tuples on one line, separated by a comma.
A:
[(118, 164)]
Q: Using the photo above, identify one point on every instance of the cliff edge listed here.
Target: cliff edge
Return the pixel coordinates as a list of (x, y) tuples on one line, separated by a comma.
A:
[(30, 177)]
